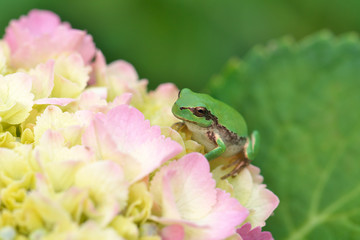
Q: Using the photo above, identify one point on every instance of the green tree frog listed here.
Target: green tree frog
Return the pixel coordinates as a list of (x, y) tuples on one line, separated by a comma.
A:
[(220, 128)]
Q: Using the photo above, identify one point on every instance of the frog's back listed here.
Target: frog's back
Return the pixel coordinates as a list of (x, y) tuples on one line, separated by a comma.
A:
[(226, 115)]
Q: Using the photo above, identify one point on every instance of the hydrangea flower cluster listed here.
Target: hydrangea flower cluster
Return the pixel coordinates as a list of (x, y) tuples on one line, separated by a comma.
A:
[(86, 152)]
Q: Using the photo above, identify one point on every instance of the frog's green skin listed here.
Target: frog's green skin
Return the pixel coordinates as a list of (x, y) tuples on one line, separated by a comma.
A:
[(217, 126)]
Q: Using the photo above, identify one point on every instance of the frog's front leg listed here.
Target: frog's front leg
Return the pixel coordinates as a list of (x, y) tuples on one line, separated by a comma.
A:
[(217, 151)]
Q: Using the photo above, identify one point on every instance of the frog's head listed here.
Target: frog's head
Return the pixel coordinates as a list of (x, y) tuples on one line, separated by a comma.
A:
[(192, 107)]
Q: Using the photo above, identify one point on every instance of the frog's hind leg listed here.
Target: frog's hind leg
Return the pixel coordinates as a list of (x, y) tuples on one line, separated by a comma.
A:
[(240, 163), (248, 154)]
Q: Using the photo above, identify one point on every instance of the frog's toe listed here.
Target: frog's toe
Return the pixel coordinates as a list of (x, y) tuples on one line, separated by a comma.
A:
[(232, 163)]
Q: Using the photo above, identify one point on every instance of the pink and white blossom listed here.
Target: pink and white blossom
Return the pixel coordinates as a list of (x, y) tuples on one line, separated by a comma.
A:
[(248, 189), (185, 194), (86, 152)]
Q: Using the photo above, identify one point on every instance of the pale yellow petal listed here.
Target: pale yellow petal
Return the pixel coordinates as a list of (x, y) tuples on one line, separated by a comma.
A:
[(108, 190), (43, 79), (139, 203), (53, 118), (125, 228), (16, 100), (4, 57), (71, 76)]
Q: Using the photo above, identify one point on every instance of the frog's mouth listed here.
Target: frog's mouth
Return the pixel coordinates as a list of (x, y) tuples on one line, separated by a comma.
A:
[(181, 113)]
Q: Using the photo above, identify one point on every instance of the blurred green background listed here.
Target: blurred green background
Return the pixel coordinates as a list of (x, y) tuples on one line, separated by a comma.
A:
[(185, 41), (301, 95)]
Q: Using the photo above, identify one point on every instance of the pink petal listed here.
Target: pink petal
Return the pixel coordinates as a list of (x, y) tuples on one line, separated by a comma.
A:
[(54, 101), (255, 234), (134, 136), (86, 48), (166, 91), (97, 137), (225, 216), (173, 232), (40, 35), (37, 22), (183, 180), (255, 173), (262, 203), (124, 98), (124, 70), (98, 68), (123, 135), (93, 100)]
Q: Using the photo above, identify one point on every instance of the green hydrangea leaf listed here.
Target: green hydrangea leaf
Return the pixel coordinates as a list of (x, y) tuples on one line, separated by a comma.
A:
[(304, 99)]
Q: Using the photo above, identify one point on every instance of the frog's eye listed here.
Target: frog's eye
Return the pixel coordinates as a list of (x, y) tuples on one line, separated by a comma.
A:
[(199, 111)]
